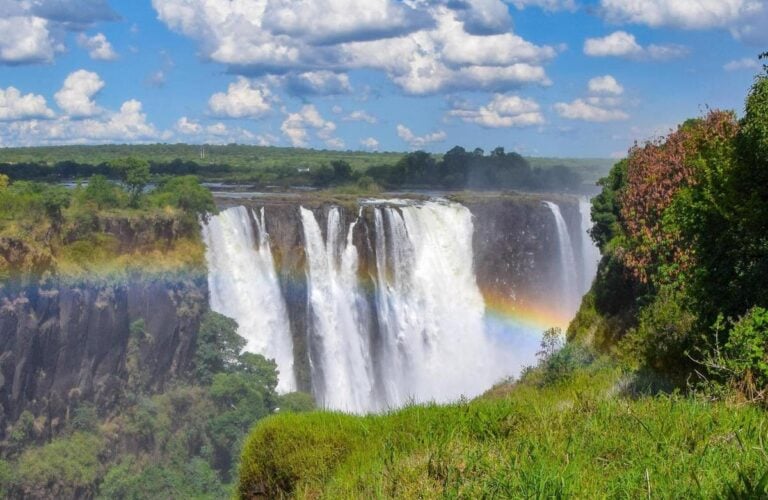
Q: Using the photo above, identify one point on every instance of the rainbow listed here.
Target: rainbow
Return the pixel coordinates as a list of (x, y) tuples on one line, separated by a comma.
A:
[(522, 313)]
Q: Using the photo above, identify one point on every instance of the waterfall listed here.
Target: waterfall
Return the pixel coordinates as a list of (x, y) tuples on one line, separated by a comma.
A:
[(569, 292), (342, 374), (394, 313), (243, 285), (429, 306), (590, 254)]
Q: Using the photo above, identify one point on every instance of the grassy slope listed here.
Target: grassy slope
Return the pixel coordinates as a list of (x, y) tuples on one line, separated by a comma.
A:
[(579, 438)]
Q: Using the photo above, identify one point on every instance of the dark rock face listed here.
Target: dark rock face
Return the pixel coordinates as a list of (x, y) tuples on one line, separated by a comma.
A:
[(66, 344)]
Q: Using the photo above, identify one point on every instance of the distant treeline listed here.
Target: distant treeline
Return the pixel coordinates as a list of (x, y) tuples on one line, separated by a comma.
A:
[(459, 169), (456, 169)]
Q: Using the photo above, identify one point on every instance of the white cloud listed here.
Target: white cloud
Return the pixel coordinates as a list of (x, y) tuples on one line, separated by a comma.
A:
[(549, 5), (34, 31), (418, 142), (605, 85), (502, 112), (422, 46), (17, 106), (583, 110), (243, 99), (360, 116), (335, 143), (26, 40), (129, 124), (76, 95), (623, 44), (370, 143), (188, 127), (746, 19), (687, 14), (98, 46), (297, 126), (320, 82), (742, 64)]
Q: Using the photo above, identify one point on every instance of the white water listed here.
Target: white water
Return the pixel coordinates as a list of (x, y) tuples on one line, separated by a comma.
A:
[(569, 288), (342, 372), (590, 254), (429, 306), (423, 332), (243, 285)]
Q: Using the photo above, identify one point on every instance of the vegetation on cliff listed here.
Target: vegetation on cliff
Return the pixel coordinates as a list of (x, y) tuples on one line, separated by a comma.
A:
[(101, 227), (182, 442)]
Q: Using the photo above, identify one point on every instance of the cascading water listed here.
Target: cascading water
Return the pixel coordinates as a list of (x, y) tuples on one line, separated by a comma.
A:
[(243, 285), (590, 254), (342, 374), (430, 310), (393, 312), (568, 271)]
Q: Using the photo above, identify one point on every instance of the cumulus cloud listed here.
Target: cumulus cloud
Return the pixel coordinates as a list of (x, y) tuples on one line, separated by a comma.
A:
[(187, 126), (746, 19), (76, 95), (623, 44), (502, 112), (742, 64), (129, 124), (34, 31), (418, 142), (549, 5), (422, 46), (98, 46), (243, 99), (586, 111), (320, 82), (370, 144), (605, 85), (26, 40), (360, 116), (297, 126), (17, 106)]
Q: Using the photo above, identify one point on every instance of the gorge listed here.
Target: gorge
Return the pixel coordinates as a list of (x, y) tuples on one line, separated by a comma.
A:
[(374, 303)]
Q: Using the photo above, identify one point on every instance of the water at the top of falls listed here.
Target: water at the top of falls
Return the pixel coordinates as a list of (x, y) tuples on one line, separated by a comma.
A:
[(568, 271), (243, 285)]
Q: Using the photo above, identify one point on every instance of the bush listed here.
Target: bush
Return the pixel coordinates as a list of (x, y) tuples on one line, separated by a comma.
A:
[(296, 402), (280, 453), (746, 352)]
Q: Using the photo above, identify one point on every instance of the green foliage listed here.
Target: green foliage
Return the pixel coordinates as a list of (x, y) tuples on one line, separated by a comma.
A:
[(296, 402), (134, 479), (185, 193), (746, 352), (67, 467), (135, 174), (7, 478), (218, 346), (102, 193), (84, 418), (573, 439)]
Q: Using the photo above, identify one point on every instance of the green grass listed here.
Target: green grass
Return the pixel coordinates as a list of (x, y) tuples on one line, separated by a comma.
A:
[(578, 438)]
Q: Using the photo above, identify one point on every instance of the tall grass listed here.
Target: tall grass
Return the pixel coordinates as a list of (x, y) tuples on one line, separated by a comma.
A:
[(580, 437)]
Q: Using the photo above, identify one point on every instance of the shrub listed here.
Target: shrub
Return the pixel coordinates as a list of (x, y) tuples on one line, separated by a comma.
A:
[(746, 352)]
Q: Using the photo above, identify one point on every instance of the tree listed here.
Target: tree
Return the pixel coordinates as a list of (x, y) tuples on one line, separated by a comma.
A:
[(135, 174), (342, 171), (101, 192), (186, 193), (218, 346)]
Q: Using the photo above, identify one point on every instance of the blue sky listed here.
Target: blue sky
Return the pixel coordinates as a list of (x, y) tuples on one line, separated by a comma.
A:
[(542, 77)]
